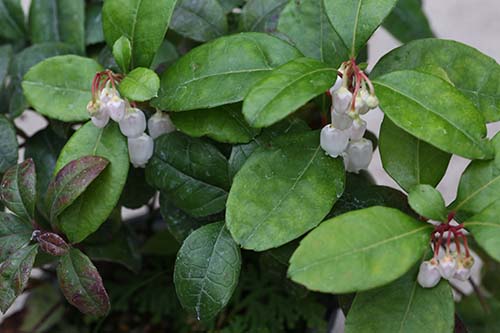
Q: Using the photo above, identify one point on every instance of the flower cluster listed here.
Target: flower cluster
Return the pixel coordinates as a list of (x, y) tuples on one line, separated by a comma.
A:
[(452, 264), (352, 95), (107, 104)]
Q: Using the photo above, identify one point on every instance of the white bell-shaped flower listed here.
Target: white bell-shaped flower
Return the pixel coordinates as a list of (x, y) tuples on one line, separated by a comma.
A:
[(464, 266), (341, 120), (360, 105), (342, 99), (447, 266), (116, 108), (360, 155), (358, 129), (336, 85), (428, 274), (159, 124), (100, 120), (334, 141), (107, 94), (140, 150), (99, 115), (133, 123)]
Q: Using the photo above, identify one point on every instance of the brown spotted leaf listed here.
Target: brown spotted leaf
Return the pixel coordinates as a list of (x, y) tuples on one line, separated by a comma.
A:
[(70, 182), (53, 244), (81, 284), (14, 234), (14, 275), (18, 189)]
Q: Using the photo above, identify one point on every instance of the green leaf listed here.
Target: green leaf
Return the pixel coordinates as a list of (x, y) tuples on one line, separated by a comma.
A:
[(137, 191), (408, 160), (476, 75), (307, 25), (191, 172), (14, 234), (81, 284), (8, 144), (403, 306), (5, 59), (356, 20), (224, 124), (93, 24), (286, 89), (22, 62), (360, 250), (427, 202), (167, 54), (140, 85), (221, 71), (162, 243), (12, 24), (207, 270), (407, 21), (43, 309), (70, 182), (282, 191), (14, 275), (90, 210), (58, 21), (18, 190), (122, 51), (60, 87), (199, 20), (432, 110), (472, 313), (261, 15), (143, 22), (485, 228)]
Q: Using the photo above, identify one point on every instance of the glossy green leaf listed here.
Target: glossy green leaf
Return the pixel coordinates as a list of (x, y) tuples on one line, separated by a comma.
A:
[(199, 20), (8, 144), (261, 15), (403, 306), (221, 71), (81, 284), (286, 89), (58, 21), (93, 24), (191, 172), (14, 234), (90, 210), (207, 270), (485, 228), (476, 75), (360, 250), (427, 202), (407, 21), (12, 24), (140, 85), (70, 182), (356, 20), (122, 52), (14, 275), (408, 160), (224, 124), (5, 59), (18, 190), (143, 22), (432, 110), (60, 87), (307, 25), (282, 191)]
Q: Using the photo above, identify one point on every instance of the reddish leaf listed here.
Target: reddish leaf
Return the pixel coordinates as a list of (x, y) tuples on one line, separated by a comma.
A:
[(52, 244)]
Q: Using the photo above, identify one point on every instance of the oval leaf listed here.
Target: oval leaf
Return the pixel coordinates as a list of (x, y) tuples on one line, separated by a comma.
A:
[(286, 89), (12, 24), (81, 284), (52, 244), (140, 85), (14, 234), (360, 250), (485, 228), (432, 110), (282, 191), (8, 144), (428, 202), (261, 15), (207, 270), (60, 87), (143, 22), (93, 24), (221, 71), (122, 52), (18, 190), (407, 21), (90, 210), (473, 73)]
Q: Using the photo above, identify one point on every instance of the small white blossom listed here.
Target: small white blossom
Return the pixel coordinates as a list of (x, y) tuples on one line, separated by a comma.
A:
[(133, 123), (159, 124), (336, 86), (334, 141), (341, 120), (116, 108), (342, 99), (428, 274), (358, 129), (360, 155), (447, 266), (360, 106), (140, 150)]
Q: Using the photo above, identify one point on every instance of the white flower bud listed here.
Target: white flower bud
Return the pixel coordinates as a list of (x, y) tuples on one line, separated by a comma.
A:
[(341, 120), (464, 265), (361, 107), (334, 141), (360, 155), (140, 150), (133, 123), (358, 129), (100, 121), (159, 124), (99, 115), (372, 101), (116, 108), (447, 266), (428, 274), (342, 99), (336, 86)]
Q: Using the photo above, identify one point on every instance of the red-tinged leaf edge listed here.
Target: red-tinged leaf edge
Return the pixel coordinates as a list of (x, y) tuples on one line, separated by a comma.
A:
[(52, 243)]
